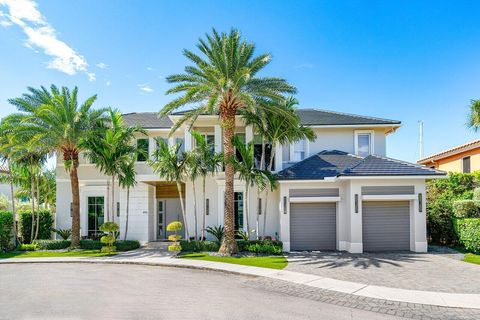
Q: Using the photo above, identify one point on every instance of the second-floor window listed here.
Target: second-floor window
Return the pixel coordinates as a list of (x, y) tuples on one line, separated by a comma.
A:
[(466, 165), (299, 150), (363, 143), (142, 144)]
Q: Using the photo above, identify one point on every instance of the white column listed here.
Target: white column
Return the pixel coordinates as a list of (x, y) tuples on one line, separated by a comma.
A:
[(248, 134), (218, 138), (355, 229), (284, 218), (419, 220), (188, 140), (278, 157), (152, 145)]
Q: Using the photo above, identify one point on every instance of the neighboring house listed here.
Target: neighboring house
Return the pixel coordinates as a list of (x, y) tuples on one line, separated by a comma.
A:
[(463, 158), (339, 192)]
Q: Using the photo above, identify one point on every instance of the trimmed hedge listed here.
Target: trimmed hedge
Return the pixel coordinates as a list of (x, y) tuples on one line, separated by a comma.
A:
[(468, 232), (27, 247), (255, 246), (52, 244), (199, 246), (6, 230), (466, 209), (25, 224), (121, 245)]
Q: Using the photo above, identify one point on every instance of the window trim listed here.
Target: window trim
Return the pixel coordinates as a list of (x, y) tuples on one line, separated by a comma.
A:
[(372, 140), (469, 164)]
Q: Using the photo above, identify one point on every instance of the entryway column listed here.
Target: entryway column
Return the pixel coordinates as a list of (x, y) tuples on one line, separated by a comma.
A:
[(218, 138)]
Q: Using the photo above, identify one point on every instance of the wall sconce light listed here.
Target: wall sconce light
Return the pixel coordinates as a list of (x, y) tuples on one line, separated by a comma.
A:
[(207, 206), (71, 209), (285, 205), (356, 203), (118, 209), (420, 202), (259, 206)]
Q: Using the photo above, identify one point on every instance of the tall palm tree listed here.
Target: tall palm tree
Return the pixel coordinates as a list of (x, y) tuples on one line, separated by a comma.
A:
[(473, 120), (277, 130), (55, 119), (207, 162), (249, 173), (172, 166), (126, 179), (109, 148), (222, 80), (193, 171)]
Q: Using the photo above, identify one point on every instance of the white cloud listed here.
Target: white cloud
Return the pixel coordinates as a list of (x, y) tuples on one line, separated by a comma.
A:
[(102, 65), (150, 69), (305, 66), (108, 83), (145, 88), (41, 35)]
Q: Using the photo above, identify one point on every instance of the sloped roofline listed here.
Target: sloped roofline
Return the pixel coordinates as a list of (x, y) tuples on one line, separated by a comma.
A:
[(451, 152)]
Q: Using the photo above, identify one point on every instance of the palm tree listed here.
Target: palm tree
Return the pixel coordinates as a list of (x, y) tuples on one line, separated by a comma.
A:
[(221, 82), (473, 120), (171, 166), (126, 179), (193, 171), (249, 173), (207, 161), (277, 130), (110, 148), (54, 119)]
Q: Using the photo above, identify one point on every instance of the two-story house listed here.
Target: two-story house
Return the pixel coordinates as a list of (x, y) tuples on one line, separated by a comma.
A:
[(339, 192)]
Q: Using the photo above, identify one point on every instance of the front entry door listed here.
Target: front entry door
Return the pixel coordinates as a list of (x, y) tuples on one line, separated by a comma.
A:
[(161, 220), (238, 210)]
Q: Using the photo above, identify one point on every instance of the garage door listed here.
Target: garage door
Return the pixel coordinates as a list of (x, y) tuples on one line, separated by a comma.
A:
[(313, 226), (386, 225)]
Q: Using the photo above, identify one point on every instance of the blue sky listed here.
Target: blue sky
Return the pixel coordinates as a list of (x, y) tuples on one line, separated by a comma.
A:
[(404, 60)]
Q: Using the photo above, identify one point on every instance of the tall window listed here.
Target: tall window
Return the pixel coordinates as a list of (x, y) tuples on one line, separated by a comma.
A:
[(180, 141), (299, 150), (210, 139), (95, 211), (142, 144), (466, 164), (363, 143), (238, 210)]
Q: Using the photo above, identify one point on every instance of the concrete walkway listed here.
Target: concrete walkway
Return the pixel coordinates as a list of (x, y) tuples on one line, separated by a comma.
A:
[(158, 258)]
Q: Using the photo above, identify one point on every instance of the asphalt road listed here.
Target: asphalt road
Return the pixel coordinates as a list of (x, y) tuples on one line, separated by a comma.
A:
[(95, 291)]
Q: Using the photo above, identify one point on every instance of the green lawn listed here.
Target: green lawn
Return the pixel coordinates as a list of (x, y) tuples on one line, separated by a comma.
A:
[(472, 258), (47, 254), (272, 262)]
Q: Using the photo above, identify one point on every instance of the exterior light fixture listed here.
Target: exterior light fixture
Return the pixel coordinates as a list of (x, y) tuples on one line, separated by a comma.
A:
[(207, 206), (420, 202), (118, 209), (356, 203), (284, 205), (71, 209), (259, 206)]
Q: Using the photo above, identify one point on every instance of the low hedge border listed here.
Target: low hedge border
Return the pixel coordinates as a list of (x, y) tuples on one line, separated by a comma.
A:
[(254, 246), (85, 244)]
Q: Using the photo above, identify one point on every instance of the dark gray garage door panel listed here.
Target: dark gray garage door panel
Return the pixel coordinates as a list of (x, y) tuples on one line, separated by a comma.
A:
[(386, 225), (313, 226)]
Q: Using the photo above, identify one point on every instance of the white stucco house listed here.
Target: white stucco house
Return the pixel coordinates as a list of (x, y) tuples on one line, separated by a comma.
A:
[(339, 192)]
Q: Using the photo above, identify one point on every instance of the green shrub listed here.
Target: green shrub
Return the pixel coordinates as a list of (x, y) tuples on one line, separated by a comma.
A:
[(465, 209), (243, 235), (468, 232), (6, 230), (476, 194), (111, 230), (199, 246), (261, 246), (175, 226), (63, 233), (52, 244), (45, 227), (27, 247), (217, 232), (441, 193), (120, 245)]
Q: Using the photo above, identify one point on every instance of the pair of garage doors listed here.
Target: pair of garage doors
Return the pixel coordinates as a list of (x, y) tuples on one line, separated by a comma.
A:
[(385, 225)]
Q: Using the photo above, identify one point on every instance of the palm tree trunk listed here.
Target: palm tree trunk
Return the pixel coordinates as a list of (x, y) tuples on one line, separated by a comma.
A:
[(126, 215), (32, 196), (229, 245), (15, 239), (75, 206), (247, 211), (113, 198), (204, 208), (108, 199), (38, 208), (179, 188), (270, 162), (195, 209)]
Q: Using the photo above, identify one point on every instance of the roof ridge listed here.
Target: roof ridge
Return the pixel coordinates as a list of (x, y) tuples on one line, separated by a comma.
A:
[(349, 114), (449, 150)]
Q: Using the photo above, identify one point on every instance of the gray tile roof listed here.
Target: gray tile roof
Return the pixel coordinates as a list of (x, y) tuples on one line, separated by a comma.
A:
[(147, 120), (338, 163), (328, 118)]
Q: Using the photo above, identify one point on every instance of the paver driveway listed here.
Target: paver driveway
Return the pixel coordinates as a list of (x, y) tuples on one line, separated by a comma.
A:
[(429, 271)]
